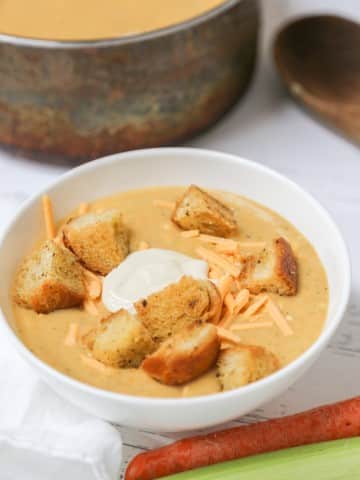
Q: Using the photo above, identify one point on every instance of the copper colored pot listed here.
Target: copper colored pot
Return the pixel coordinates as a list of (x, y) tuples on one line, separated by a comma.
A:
[(87, 99)]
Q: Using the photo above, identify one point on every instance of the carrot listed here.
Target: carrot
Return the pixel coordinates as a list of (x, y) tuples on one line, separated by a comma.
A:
[(330, 422)]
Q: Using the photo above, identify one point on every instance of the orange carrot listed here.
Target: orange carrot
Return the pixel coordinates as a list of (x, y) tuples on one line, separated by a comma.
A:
[(331, 422)]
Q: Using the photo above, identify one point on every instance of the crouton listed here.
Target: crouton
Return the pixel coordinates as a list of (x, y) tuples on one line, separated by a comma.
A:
[(49, 279), (274, 270), (177, 306), (197, 210), (99, 240), (120, 341), (184, 356), (243, 364)]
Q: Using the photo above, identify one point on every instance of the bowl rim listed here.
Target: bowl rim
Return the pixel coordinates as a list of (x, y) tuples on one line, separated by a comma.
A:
[(140, 401), (34, 42)]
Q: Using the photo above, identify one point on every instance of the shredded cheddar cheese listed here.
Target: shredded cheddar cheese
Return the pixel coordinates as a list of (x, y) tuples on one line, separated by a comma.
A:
[(225, 284), (93, 363), (241, 300), (190, 233), (256, 306), (218, 261), (218, 240), (227, 335), (278, 318), (90, 307), (72, 335), (48, 217), (226, 250), (93, 284), (229, 303)]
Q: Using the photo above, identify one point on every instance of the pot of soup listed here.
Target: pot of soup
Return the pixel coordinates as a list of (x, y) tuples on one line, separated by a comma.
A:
[(82, 79)]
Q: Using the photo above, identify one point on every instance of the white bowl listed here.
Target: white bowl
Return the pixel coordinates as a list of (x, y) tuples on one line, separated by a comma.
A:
[(181, 166)]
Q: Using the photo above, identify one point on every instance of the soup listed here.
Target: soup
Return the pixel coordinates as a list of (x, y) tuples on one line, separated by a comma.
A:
[(148, 217), (94, 19)]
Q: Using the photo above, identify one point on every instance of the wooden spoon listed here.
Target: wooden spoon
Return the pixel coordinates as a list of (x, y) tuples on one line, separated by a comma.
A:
[(318, 58)]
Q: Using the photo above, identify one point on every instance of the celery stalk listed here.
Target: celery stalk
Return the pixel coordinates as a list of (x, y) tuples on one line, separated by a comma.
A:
[(337, 460)]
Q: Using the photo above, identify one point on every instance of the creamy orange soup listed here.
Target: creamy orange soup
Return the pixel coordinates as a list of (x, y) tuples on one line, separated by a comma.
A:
[(44, 334), (95, 19)]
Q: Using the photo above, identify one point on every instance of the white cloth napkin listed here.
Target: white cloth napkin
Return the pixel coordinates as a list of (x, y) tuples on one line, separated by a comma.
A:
[(43, 437)]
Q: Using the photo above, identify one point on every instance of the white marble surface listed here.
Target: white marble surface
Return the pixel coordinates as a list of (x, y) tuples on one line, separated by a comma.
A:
[(266, 126)]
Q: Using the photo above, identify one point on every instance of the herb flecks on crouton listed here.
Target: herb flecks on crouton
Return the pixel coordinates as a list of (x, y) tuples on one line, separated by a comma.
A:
[(184, 356), (99, 240), (49, 279), (121, 341), (177, 306), (274, 270), (244, 364), (197, 210)]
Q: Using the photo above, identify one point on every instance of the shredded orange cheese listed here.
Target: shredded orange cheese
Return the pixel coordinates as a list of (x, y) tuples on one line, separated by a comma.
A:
[(256, 306), (143, 245), (93, 363), (241, 300), (218, 240), (278, 318), (225, 284), (226, 249), (164, 204), (249, 326), (48, 217), (227, 335), (226, 345), (190, 233), (90, 307), (72, 335), (83, 208), (229, 303), (218, 261), (93, 284)]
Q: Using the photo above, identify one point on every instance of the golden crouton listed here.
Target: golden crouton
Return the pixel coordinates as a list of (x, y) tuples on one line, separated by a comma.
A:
[(121, 341), (244, 364), (184, 356), (198, 210), (274, 270), (49, 279), (99, 240), (177, 306)]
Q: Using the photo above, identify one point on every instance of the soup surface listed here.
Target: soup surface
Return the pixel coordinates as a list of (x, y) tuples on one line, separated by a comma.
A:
[(44, 334), (95, 19)]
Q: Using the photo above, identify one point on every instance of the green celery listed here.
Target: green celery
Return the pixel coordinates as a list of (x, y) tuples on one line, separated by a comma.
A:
[(337, 460)]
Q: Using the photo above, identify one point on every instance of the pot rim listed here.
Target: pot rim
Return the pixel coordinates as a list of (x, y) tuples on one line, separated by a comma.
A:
[(118, 41)]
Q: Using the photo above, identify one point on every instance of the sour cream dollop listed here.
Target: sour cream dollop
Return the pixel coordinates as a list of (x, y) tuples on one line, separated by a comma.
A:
[(145, 272)]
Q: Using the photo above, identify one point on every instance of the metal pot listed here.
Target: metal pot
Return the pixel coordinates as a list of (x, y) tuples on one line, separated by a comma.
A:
[(87, 99)]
